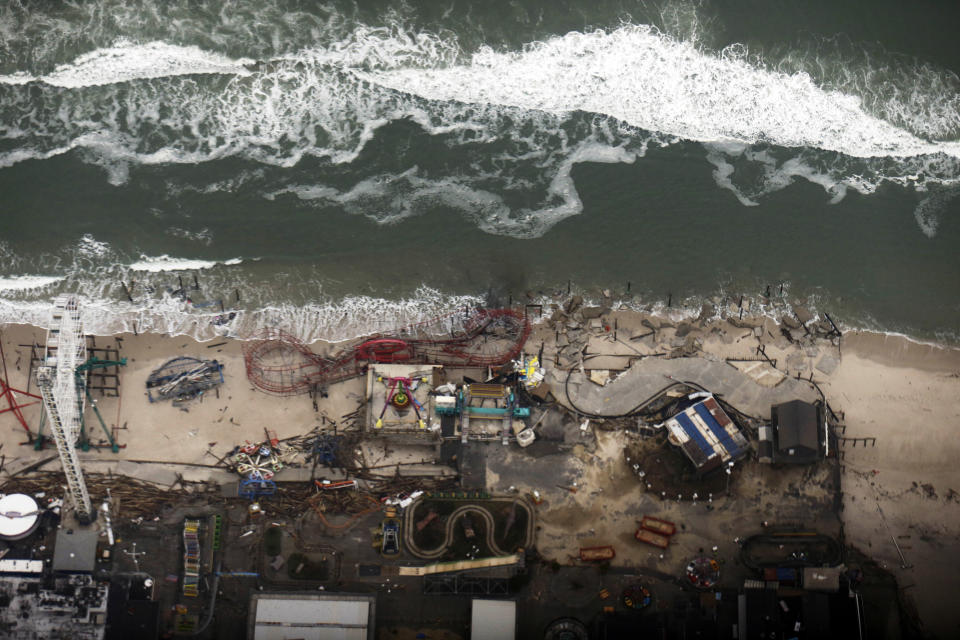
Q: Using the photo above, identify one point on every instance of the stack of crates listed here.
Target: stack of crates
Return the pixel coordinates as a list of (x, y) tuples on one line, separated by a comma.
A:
[(191, 557)]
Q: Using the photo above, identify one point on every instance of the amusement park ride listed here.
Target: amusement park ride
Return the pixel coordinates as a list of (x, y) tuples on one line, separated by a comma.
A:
[(61, 378), (281, 364), (401, 396), (63, 397)]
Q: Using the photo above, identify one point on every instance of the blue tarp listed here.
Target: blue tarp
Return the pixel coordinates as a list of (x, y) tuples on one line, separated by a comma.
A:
[(717, 430), (695, 435)]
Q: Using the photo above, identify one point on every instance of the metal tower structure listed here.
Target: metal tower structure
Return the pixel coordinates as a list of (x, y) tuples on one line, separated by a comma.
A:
[(63, 396)]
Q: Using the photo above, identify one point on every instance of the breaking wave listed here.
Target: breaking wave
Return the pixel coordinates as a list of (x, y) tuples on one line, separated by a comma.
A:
[(126, 61), (283, 88), (640, 76), (176, 296), (19, 283), (333, 321), (158, 264)]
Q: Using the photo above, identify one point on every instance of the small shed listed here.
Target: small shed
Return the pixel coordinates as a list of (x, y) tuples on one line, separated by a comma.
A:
[(795, 435)]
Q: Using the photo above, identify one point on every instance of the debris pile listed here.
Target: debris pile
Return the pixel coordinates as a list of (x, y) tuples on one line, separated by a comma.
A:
[(135, 499), (184, 378)]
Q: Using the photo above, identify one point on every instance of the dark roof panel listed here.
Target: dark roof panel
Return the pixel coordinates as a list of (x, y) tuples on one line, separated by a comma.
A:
[(797, 426), (76, 550)]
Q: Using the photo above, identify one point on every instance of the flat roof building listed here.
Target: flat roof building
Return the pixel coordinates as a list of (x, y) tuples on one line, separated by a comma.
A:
[(493, 620), (795, 434), (76, 550), (308, 616)]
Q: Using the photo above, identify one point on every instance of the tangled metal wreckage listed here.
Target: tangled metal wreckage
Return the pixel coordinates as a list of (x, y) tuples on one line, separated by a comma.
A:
[(281, 364), (184, 378)]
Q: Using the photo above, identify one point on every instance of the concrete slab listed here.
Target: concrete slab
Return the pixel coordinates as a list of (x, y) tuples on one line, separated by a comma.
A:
[(509, 467), (828, 363), (761, 372)]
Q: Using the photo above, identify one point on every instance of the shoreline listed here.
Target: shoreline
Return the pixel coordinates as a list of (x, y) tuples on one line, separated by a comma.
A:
[(131, 322), (349, 317)]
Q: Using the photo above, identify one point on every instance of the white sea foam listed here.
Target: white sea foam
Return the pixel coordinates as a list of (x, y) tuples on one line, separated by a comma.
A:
[(777, 174), (648, 79), (156, 264), (20, 77), (329, 100), (126, 61), (388, 199), (19, 283), (717, 155), (90, 247), (333, 320), (930, 209), (203, 236)]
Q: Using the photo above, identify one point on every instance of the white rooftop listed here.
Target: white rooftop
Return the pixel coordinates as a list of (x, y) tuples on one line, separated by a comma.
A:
[(13, 521), (21, 566), (312, 617), (493, 620)]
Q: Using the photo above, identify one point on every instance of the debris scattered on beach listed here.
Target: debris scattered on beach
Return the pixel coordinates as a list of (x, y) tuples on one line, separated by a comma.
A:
[(183, 379)]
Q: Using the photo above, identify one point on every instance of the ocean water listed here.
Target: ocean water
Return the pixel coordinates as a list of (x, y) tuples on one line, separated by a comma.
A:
[(343, 167)]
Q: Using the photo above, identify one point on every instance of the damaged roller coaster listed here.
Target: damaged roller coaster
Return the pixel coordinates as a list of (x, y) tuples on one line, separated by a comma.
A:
[(183, 379), (280, 364)]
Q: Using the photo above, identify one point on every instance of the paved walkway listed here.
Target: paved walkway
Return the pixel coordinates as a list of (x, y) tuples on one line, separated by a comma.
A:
[(650, 375)]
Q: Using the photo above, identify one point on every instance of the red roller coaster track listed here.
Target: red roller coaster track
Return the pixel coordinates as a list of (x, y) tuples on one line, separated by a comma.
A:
[(281, 364)]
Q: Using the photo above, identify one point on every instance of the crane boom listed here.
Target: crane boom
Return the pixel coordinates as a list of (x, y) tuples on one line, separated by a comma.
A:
[(63, 398)]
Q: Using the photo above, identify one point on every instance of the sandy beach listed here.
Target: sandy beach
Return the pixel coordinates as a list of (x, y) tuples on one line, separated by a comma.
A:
[(901, 393)]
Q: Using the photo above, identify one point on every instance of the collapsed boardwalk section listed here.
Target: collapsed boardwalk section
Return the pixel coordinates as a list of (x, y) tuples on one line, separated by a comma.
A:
[(279, 363)]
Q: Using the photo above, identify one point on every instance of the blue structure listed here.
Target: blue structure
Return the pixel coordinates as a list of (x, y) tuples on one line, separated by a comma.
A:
[(691, 430), (717, 430), (461, 407), (250, 488)]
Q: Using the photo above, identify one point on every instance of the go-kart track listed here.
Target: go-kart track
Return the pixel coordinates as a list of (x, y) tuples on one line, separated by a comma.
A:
[(489, 525)]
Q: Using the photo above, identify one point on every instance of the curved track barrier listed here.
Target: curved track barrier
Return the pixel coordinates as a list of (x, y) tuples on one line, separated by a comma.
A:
[(453, 520)]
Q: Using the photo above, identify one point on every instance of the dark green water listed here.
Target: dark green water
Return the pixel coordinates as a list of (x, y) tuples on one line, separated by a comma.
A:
[(360, 167)]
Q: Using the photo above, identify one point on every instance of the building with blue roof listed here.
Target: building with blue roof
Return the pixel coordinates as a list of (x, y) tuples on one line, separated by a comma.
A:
[(707, 435)]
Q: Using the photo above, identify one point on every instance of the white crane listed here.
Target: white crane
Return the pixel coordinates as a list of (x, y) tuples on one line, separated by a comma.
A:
[(63, 396)]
